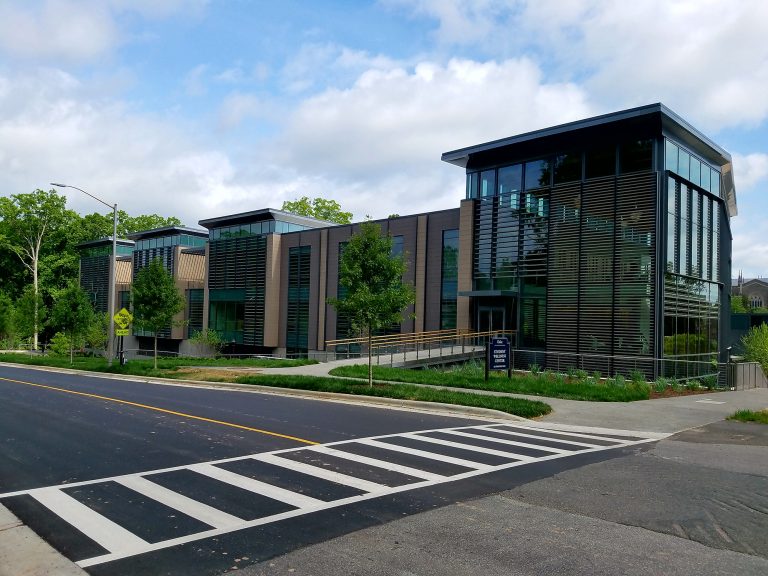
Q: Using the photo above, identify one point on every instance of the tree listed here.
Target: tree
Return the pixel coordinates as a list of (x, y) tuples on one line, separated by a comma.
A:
[(26, 307), (73, 313), (373, 278), (6, 316), (319, 208), (156, 300), (739, 305), (755, 344), (27, 220), (210, 340)]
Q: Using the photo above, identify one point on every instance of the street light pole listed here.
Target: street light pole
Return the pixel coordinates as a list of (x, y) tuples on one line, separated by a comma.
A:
[(112, 272)]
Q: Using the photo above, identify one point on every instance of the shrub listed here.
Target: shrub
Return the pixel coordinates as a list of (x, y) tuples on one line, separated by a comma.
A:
[(636, 376), (535, 368), (693, 385), (677, 386), (617, 381), (661, 384), (709, 381), (597, 375), (59, 345), (755, 344)]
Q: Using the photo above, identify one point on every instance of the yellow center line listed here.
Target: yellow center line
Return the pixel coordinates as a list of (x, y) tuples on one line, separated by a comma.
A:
[(163, 410)]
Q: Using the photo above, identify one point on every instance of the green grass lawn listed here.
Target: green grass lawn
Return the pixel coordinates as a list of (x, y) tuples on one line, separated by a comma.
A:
[(166, 367), (759, 416), (542, 384), (516, 406)]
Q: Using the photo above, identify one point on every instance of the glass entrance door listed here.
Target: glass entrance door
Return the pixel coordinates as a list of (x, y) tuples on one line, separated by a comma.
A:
[(491, 319)]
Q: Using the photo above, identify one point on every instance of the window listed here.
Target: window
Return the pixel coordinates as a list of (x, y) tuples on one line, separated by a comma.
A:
[(472, 180), (636, 156), (755, 302), (450, 279), (297, 327), (600, 162), (511, 179), (684, 164), (670, 156), (537, 174), (397, 246), (488, 183), (568, 167)]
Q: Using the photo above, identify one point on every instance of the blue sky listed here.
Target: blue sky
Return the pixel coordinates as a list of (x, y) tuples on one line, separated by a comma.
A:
[(202, 108)]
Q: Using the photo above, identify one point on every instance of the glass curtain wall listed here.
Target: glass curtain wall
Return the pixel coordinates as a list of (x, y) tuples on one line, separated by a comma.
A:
[(297, 326), (450, 279)]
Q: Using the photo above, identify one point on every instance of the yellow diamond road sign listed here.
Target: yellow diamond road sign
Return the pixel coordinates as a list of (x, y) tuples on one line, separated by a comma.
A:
[(123, 319)]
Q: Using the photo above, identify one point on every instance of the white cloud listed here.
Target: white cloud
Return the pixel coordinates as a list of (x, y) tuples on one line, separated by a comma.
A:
[(194, 81), (749, 170), (56, 29), (237, 107)]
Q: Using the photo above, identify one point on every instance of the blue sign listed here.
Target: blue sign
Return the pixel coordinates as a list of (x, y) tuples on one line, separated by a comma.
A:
[(498, 354)]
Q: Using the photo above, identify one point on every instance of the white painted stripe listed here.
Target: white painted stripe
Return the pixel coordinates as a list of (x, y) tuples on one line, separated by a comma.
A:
[(268, 490), (318, 472), (604, 434), (98, 528), (509, 442), (207, 514), (709, 401), (430, 455), (334, 504), (407, 470), (472, 447), (545, 438)]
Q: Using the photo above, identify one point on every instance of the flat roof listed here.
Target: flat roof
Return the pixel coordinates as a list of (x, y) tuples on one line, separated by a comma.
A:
[(264, 214), (106, 241), (168, 231), (657, 117)]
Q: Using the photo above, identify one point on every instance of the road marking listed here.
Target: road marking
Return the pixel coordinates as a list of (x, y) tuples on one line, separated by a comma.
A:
[(584, 444), (407, 470), (471, 464), (709, 401), (509, 442), (163, 410), (207, 514), (292, 498), (101, 530), (318, 472), (124, 544)]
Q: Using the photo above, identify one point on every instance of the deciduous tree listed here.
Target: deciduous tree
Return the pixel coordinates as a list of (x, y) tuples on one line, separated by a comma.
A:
[(156, 300), (319, 208), (73, 313), (373, 278)]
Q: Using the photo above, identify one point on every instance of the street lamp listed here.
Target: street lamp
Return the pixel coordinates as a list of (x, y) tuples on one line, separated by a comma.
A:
[(112, 272)]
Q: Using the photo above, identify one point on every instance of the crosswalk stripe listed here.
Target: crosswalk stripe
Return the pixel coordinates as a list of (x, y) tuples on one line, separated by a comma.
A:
[(407, 470), (98, 528), (464, 446), (431, 455), (330, 475), (268, 490), (571, 442), (190, 507), (509, 442)]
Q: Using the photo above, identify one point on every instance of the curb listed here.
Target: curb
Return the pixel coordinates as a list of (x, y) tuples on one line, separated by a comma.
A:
[(455, 410)]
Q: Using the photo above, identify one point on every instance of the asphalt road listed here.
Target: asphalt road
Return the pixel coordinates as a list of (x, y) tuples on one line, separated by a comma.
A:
[(177, 480)]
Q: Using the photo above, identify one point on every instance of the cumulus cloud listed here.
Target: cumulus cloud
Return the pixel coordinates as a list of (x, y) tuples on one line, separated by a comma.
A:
[(708, 58), (749, 170)]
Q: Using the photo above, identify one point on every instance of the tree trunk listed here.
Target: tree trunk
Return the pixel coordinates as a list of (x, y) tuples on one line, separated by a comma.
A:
[(155, 350), (37, 312), (370, 360)]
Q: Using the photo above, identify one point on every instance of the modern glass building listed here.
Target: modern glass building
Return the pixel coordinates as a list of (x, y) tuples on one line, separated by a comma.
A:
[(607, 238)]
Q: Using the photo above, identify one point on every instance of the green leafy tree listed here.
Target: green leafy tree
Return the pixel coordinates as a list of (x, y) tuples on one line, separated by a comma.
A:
[(29, 313), (6, 316), (319, 208), (97, 335), (28, 220), (375, 294), (156, 300), (73, 313), (755, 344), (739, 305)]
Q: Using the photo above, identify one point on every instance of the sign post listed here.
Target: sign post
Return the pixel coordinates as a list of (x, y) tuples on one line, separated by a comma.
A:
[(498, 355), (122, 319)]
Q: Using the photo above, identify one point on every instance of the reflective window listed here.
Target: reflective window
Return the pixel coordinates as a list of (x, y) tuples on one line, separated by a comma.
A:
[(600, 162), (472, 180), (670, 156), (397, 246), (636, 156), (684, 167), (567, 167), (706, 177), (537, 174), (487, 183), (510, 179), (695, 171)]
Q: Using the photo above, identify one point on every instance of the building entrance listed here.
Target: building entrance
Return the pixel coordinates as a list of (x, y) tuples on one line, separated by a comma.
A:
[(491, 318)]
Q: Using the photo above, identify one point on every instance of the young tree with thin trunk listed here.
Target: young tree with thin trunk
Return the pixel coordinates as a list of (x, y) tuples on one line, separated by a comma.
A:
[(156, 300), (73, 313), (375, 294)]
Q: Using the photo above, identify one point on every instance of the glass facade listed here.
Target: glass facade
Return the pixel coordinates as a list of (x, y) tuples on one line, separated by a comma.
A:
[(692, 292), (106, 250), (449, 279), (194, 317), (255, 229), (681, 162), (174, 240), (297, 326)]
